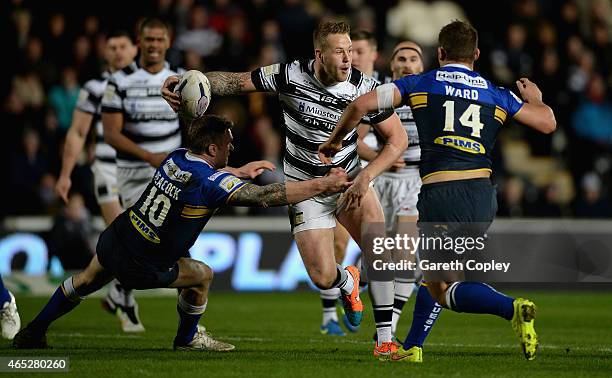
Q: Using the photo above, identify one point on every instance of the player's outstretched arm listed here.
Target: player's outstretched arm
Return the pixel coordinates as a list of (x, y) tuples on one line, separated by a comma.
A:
[(221, 84), (534, 113), (75, 140), (396, 142), (384, 97), (290, 192), (251, 170)]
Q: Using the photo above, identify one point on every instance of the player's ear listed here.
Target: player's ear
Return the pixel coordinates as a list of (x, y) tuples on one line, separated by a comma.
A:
[(441, 54), (476, 54), (319, 55), (212, 149)]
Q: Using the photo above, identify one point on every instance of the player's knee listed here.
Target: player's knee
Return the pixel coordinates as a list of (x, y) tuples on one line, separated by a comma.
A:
[(205, 273), (323, 280)]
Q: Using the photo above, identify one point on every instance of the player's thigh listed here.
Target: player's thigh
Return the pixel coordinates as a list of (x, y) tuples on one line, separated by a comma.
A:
[(341, 240), (317, 251), (369, 215), (192, 273), (92, 279)]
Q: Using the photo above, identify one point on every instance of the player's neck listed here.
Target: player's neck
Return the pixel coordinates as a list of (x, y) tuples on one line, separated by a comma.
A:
[(466, 64), (152, 68), (208, 159), (322, 76)]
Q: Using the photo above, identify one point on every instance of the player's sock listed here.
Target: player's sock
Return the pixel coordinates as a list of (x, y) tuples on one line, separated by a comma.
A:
[(62, 302), (426, 312), (381, 293), (363, 276), (478, 298), (4, 294), (189, 316), (329, 298), (344, 281), (403, 290)]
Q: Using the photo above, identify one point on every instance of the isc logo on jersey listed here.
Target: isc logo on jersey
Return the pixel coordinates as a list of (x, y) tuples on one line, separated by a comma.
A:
[(461, 143)]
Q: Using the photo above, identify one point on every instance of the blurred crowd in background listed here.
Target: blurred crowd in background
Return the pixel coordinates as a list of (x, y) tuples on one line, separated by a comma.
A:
[(51, 48)]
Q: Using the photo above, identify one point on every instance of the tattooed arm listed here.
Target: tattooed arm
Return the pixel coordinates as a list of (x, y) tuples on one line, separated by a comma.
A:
[(221, 84), (289, 192), (230, 83)]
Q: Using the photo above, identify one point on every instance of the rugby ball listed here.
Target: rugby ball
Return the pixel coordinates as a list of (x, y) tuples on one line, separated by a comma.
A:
[(194, 89)]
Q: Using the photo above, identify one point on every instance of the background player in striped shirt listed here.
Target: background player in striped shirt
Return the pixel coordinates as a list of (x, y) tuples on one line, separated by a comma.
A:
[(143, 129), (120, 52), (313, 95), (398, 188)]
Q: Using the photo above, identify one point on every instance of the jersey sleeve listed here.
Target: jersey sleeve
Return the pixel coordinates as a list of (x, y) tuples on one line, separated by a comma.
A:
[(112, 101), (376, 117), (269, 78), (221, 186), (406, 85), (509, 101), (88, 101)]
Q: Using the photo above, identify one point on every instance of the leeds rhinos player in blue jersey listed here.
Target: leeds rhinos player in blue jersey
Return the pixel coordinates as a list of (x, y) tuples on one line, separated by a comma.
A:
[(147, 245), (458, 115)]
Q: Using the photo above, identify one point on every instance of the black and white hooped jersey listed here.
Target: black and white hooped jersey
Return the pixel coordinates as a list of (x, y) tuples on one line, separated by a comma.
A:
[(412, 154), (90, 101), (311, 111), (148, 120)]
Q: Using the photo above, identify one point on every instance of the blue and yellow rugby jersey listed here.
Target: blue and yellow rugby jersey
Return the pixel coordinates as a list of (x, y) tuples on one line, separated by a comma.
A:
[(458, 115), (183, 195)]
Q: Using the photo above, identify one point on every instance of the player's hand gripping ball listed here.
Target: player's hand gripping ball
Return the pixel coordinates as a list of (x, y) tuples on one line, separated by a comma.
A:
[(194, 89)]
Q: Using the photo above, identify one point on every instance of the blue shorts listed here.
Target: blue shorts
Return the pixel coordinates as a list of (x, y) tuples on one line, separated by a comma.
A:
[(134, 272)]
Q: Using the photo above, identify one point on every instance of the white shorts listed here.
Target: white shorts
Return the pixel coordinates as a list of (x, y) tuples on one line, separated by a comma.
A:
[(398, 194), (132, 182), (105, 182), (313, 213)]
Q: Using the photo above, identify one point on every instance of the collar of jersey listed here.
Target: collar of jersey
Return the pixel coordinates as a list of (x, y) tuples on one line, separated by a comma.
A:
[(457, 65), (190, 156)]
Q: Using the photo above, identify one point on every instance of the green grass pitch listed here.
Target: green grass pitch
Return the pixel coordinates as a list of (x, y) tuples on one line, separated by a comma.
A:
[(277, 335)]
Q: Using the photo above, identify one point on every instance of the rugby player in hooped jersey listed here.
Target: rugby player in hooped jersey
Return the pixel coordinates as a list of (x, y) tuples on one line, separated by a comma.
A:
[(313, 95), (147, 246), (398, 188), (120, 52), (458, 115)]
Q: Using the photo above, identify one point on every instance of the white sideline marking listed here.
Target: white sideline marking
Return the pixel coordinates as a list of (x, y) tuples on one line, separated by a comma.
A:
[(239, 338)]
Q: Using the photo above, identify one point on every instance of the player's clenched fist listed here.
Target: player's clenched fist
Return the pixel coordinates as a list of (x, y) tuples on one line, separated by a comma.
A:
[(529, 91), (328, 150), (336, 180)]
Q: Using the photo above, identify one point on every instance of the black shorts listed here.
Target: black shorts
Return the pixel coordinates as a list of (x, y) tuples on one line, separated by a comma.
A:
[(133, 272), (453, 220), (459, 201)]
